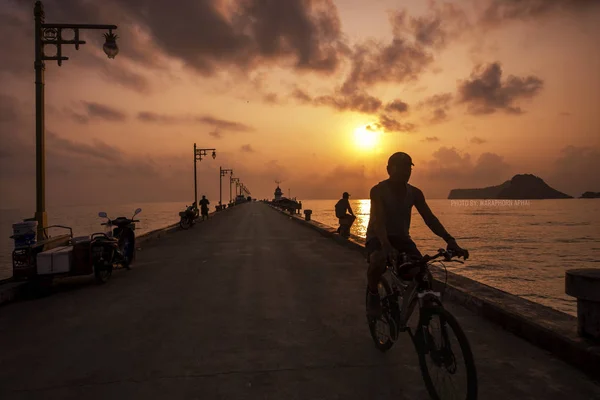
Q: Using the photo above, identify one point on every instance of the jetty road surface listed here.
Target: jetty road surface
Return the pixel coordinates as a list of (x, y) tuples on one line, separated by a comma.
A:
[(247, 305)]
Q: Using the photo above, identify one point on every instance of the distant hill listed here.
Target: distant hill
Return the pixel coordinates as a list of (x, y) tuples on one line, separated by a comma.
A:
[(590, 195), (490, 192), (522, 186)]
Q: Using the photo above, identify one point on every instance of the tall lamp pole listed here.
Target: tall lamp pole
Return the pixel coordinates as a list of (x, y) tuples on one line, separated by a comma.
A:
[(198, 154), (51, 34), (222, 173), (231, 180), (236, 181)]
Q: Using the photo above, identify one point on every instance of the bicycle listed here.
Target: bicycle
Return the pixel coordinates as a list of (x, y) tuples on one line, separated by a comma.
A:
[(411, 282)]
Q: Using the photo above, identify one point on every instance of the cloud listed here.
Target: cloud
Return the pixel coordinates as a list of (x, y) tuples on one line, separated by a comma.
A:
[(271, 98), (372, 63), (356, 101), (301, 96), (442, 23), (440, 100), (502, 10), (451, 169), (409, 53), (574, 171), (98, 150), (439, 115), (224, 124), (360, 102), (247, 149), (396, 106), (331, 185), (207, 35), (310, 31), (148, 116), (218, 124), (437, 107), (9, 109), (98, 111), (431, 139), (122, 76), (477, 140), (216, 133), (16, 22), (392, 125), (485, 92)]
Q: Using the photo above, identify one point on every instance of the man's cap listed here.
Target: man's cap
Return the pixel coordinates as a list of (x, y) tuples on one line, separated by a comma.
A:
[(400, 158), (346, 194)]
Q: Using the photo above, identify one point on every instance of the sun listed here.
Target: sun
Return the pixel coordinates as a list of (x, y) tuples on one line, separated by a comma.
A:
[(365, 137)]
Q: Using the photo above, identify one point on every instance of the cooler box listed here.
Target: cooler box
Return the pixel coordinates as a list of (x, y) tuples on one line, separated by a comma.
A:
[(57, 260), (61, 260), (44, 261)]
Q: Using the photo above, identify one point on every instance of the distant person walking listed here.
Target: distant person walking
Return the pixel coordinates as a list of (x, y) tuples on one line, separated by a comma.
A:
[(204, 207), (346, 220)]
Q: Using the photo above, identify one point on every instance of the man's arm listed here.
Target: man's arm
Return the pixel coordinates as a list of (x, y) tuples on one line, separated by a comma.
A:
[(430, 219), (349, 208), (378, 216)]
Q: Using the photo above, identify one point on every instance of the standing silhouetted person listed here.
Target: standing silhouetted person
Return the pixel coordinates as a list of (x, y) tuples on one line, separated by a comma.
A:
[(204, 207), (346, 220), (388, 230)]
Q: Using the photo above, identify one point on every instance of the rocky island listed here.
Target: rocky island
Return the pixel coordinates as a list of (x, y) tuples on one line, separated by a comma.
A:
[(522, 186), (590, 195)]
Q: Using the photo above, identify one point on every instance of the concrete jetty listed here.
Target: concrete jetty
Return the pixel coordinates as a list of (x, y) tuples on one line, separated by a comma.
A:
[(247, 305)]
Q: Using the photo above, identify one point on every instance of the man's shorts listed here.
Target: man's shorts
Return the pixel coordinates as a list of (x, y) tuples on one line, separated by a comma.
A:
[(204, 211), (403, 245)]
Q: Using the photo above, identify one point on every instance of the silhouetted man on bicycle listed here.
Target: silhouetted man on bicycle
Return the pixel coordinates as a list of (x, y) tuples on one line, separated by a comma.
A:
[(389, 224)]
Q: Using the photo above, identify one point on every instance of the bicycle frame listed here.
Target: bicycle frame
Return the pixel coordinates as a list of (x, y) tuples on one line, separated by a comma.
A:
[(418, 290)]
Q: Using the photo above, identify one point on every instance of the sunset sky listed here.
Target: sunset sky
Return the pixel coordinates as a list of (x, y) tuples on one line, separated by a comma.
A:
[(315, 93)]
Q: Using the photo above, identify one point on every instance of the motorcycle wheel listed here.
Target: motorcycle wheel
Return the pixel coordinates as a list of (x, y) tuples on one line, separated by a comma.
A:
[(127, 249), (184, 223), (102, 271)]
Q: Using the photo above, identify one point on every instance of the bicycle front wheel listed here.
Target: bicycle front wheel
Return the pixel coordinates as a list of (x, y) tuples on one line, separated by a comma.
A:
[(443, 348), (384, 330)]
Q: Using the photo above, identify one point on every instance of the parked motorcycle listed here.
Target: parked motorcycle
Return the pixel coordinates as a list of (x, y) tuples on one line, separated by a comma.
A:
[(116, 246), (188, 217)]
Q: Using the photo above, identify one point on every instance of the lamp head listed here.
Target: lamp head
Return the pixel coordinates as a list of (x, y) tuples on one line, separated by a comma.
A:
[(110, 45), (214, 154)]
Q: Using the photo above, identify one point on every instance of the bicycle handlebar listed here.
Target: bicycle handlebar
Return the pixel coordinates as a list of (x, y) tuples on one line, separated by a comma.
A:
[(447, 254), (423, 261)]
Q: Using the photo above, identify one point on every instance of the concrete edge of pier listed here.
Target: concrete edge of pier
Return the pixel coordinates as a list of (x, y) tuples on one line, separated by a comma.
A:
[(545, 327), (10, 290)]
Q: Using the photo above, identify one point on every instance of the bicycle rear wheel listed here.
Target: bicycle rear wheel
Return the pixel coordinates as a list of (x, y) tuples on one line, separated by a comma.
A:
[(437, 351), (384, 330)]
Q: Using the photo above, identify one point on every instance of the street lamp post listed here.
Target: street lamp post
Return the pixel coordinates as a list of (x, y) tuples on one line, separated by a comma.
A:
[(222, 173), (198, 154), (237, 183), (51, 34)]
